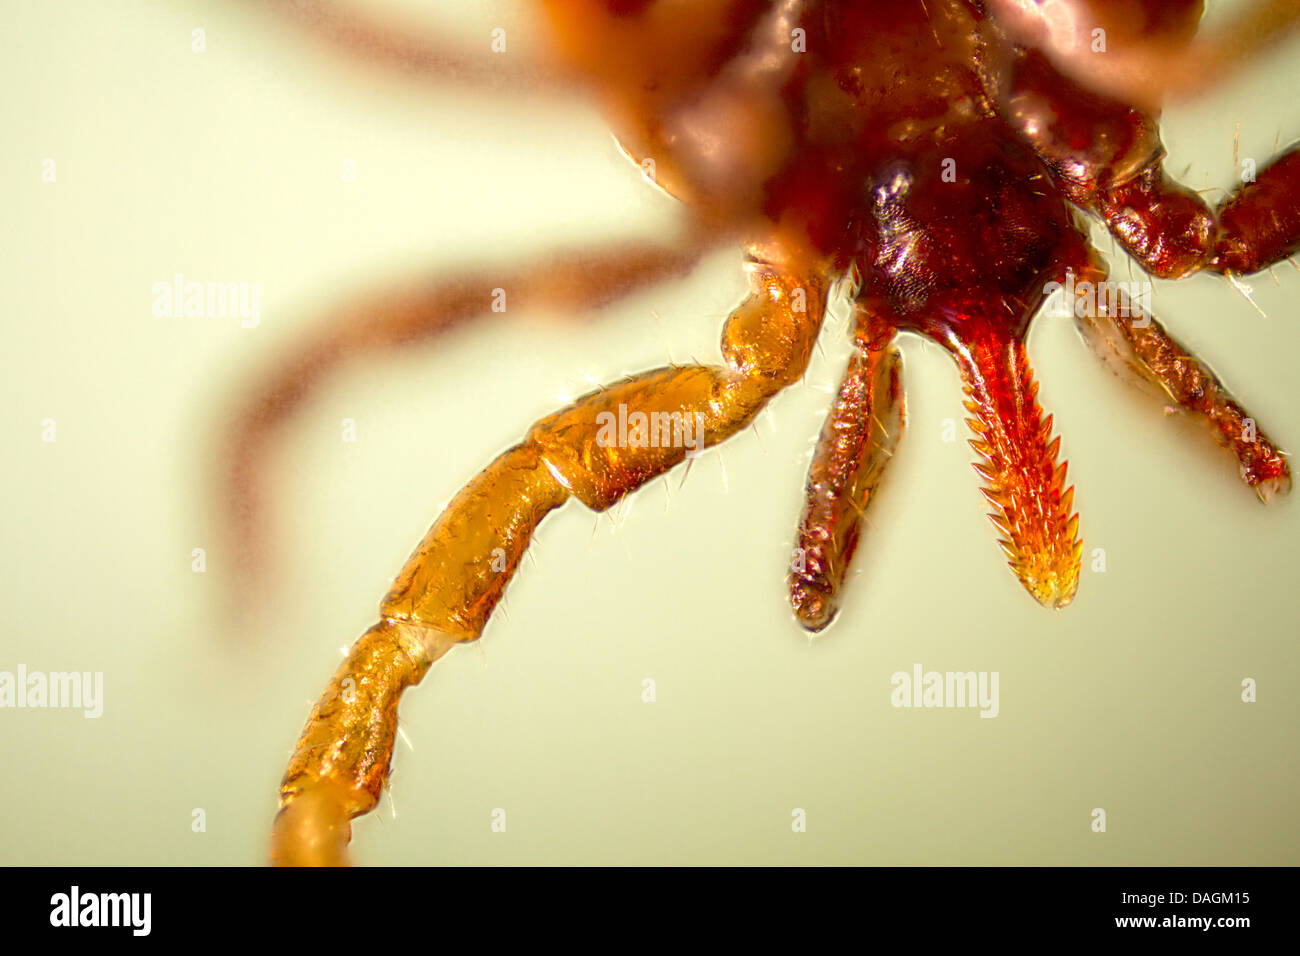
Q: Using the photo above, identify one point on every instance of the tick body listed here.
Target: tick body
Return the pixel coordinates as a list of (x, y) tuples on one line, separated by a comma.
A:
[(942, 158)]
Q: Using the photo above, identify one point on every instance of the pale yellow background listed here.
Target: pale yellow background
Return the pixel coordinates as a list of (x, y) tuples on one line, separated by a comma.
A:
[(226, 166)]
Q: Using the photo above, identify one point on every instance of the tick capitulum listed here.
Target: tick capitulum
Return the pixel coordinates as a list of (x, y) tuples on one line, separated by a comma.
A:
[(944, 155)]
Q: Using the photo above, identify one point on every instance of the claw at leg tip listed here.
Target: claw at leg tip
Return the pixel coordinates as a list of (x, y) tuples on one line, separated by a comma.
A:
[(813, 610), (1273, 488)]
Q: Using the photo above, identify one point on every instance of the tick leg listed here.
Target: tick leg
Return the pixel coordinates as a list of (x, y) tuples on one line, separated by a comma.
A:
[(856, 443), (372, 40), (1106, 155), (1146, 51), (574, 283), (1136, 346), (1023, 482), (341, 762), (448, 589), (443, 597), (1171, 231)]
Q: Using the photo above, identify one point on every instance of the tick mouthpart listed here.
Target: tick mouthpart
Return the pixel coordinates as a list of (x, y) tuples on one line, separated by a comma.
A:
[(1052, 583)]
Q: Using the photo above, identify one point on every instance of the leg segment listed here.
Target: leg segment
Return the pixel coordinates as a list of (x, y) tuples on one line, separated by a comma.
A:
[(1138, 347), (1106, 155), (1151, 51), (1173, 233), (856, 443), (341, 762), (574, 283), (448, 589), (374, 41)]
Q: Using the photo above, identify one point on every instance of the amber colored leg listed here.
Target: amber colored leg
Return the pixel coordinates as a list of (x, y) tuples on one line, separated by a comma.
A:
[(456, 576), (856, 443), (574, 284), (1137, 346), (1171, 231), (341, 762), (1023, 482)]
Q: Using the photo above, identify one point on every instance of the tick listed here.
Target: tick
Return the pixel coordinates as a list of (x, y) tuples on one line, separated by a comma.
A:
[(940, 159)]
